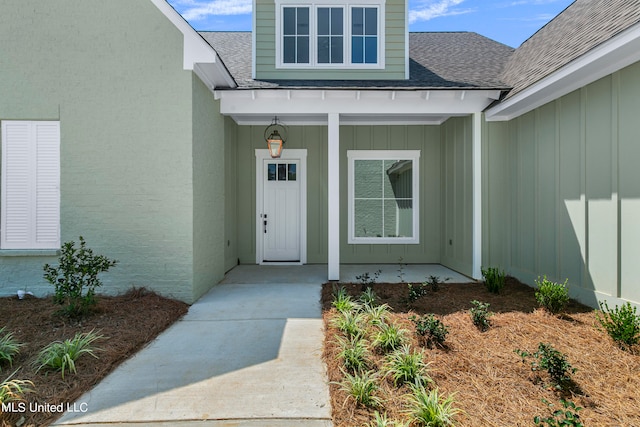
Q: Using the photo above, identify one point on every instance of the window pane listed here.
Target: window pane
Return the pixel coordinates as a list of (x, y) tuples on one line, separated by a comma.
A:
[(371, 50), (357, 50), (367, 175), (293, 175), (323, 20), (398, 218), (368, 218), (289, 21), (271, 172), (303, 21), (337, 56), (289, 50), (371, 21), (400, 179), (282, 172), (323, 50), (337, 27), (303, 50), (357, 21)]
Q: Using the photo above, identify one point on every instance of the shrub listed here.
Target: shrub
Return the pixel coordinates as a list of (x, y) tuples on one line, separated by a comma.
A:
[(354, 353), (362, 387), (343, 302), (434, 282), (622, 324), (350, 323), (552, 296), (430, 329), (416, 292), (427, 409), (559, 418), (480, 315), (494, 279), (14, 390), (389, 337), (62, 355), (76, 277), (368, 280), (553, 361), (9, 347), (407, 367)]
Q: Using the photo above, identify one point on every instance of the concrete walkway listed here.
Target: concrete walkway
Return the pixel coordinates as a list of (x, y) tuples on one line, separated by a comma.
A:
[(245, 355)]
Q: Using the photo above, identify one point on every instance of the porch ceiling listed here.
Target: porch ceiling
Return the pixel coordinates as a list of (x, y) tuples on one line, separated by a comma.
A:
[(356, 107)]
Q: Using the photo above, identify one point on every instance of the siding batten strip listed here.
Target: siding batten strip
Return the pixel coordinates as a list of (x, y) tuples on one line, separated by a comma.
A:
[(333, 186)]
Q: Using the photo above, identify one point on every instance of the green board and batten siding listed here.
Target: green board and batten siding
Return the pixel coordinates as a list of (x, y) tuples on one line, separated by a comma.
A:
[(129, 134), (562, 193), (394, 49)]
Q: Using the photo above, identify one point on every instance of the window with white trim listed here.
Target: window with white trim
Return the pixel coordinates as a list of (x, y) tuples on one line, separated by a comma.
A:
[(383, 196), (330, 34), (30, 211)]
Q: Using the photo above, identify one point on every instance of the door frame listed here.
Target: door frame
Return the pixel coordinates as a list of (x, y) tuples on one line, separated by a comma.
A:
[(287, 154)]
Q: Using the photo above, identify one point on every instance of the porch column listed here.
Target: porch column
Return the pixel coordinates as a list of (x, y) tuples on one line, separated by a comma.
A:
[(333, 196), (477, 195)]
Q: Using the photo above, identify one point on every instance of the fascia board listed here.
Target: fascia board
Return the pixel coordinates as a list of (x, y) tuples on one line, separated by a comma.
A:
[(611, 56)]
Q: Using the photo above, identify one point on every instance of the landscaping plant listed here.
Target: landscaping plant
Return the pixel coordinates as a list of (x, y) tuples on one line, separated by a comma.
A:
[(554, 297), (434, 282), (389, 338), (62, 355), (76, 277), (407, 367), (551, 360), (430, 329), (427, 409), (367, 280), (561, 417), (362, 387), (9, 347), (622, 324), (494, 279), (351, 323), (13, 390), (416, 292), (382, 421), (368, 297), (343, 302), (354, 353), (377, 315), (480, 314)]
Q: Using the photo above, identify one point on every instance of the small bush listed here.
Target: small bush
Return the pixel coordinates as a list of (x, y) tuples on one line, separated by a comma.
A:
[(9, 347), (350, 323), (354, 353), (76, 277), (343, 302), (494, 279), (368, 297), (13, 390), (561, 417), (377, 315), (362, 387), (416, 292), (389, 338), (62, 355), (480, 315), (427, 409), (367, 280), (434, 282), (430, 329), (622, 324), (552, 296), (407, 367), (553, 361)]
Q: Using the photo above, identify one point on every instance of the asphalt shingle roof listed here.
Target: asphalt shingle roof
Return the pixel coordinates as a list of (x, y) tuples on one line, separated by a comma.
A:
[(582, 26), (437, 61)]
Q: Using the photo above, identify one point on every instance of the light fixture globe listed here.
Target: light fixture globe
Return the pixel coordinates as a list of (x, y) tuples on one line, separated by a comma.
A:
[(276, 135)]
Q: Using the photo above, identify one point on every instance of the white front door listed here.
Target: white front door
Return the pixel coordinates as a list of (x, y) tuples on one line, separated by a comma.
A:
[(280, 228)]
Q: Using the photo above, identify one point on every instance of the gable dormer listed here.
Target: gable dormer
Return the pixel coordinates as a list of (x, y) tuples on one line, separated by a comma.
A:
[(330, 40)]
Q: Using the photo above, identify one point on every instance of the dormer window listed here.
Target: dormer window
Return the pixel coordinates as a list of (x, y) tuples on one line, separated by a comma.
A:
[(330, 34)]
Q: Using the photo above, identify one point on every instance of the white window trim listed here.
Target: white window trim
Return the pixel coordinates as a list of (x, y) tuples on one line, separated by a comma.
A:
[(413, 155), (313, 34)]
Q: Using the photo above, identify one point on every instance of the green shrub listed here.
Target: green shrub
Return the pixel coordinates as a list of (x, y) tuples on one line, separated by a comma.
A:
[(9, 347), (561, 417), (354, 353), (416, 292), (480, 315), (362, 387), (494, 279), (551, 360), (622, 324), (427, 409), (76, 277), (430, 329), (343, 302), (13, 390), (389, 337), (434, 282), (407, 367), (367, 280), (554, 297), (62, 355)]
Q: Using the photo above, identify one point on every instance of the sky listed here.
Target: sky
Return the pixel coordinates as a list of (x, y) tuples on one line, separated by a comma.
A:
[(508, 21)]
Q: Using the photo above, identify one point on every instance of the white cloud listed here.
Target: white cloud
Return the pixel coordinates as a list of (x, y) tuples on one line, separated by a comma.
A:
[(195, 10), (430, 9)]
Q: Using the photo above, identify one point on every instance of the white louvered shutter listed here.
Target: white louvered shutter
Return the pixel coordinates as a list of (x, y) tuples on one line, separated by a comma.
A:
[(30, 185)]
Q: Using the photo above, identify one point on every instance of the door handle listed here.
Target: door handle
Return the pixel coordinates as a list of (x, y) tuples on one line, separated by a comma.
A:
[(265, 225)]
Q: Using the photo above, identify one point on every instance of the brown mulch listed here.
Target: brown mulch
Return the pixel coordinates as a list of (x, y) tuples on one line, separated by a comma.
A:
[(491, 384), (128, 322)]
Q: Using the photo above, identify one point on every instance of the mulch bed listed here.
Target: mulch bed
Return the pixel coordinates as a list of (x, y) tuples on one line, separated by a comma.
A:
[(128, 322), (491, 384)]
